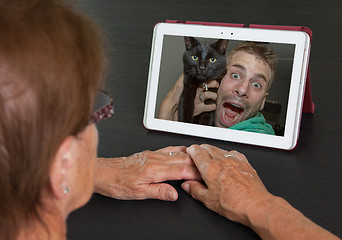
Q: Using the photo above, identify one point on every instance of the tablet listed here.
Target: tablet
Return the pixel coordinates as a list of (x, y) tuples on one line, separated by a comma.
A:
[(280, 108)]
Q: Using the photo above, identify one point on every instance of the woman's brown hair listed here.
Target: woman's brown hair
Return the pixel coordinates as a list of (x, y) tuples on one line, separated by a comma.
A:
[(52, 62)]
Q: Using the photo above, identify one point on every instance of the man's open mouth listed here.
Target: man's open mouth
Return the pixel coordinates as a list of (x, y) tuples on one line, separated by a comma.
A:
[(231, 114)]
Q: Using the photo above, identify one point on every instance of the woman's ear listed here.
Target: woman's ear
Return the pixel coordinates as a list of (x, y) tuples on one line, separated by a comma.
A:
[(59, 170)]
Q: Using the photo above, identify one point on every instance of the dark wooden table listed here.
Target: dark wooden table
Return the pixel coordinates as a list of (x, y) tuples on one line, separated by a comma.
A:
[(309, 177)]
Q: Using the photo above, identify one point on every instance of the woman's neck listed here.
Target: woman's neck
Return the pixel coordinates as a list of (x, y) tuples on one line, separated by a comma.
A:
[(52, 226)]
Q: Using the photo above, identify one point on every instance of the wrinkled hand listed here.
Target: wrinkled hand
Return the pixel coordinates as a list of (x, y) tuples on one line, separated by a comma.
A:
[(141, 176), (233, 187)]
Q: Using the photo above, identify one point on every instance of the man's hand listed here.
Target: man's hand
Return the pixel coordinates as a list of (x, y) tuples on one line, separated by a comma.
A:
[(140, 176), (202, 95), (168, 109)]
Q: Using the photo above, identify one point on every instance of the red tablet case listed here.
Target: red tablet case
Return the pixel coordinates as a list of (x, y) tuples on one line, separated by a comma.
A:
[(308, 105)]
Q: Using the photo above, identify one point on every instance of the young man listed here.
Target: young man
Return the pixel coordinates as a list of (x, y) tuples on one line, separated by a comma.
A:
[(243, 91)]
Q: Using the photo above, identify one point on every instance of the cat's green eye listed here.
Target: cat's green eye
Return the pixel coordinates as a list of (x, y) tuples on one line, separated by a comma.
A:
[(212, 60), (195, 58)]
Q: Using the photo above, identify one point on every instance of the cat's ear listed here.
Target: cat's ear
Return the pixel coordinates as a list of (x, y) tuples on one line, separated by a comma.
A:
[(221, 46), (190, 42)]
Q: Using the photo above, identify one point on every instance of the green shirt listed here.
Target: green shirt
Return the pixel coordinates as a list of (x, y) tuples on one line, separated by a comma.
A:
[(256, 124)]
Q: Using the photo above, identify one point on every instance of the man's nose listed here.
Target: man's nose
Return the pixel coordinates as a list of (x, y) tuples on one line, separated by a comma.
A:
[(242, 88)]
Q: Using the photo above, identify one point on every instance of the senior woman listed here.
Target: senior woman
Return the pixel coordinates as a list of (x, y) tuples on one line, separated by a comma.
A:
[(52, 62), (51, 65)]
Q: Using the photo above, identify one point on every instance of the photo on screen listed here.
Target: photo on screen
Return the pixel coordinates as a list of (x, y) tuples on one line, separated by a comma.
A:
[(275, 109)]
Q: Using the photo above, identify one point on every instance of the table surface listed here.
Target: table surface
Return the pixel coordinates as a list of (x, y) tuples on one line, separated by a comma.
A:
[(308, 177)]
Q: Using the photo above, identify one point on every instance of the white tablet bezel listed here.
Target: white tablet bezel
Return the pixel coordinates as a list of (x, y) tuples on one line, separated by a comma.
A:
[(294, 108)]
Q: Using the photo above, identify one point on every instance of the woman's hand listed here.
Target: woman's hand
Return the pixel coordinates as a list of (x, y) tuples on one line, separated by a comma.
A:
[(141, 175), (232, 188)]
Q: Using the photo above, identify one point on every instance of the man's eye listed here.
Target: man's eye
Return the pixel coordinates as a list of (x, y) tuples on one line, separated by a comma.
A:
[(236, 76), (212, 60), (256, 85), (195, 58)]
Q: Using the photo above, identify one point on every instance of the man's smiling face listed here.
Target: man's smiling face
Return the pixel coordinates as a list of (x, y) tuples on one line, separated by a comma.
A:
[(243, 90)]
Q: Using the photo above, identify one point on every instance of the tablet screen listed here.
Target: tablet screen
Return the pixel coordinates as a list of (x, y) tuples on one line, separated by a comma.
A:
[(258, 102)]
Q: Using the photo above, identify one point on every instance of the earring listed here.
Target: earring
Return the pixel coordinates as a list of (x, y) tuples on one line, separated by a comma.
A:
[(66, 190)]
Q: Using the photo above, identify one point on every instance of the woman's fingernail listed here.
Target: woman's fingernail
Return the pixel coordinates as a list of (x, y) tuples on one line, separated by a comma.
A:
[(171, 195), (185, 187)]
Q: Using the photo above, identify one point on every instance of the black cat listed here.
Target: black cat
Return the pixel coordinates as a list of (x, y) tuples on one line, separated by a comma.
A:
[(202, 62)]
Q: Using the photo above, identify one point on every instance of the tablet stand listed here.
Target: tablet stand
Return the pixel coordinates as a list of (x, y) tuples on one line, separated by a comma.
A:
[(308, 105)]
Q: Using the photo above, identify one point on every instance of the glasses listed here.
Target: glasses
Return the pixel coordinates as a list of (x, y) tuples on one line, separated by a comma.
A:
[(104, 107)]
